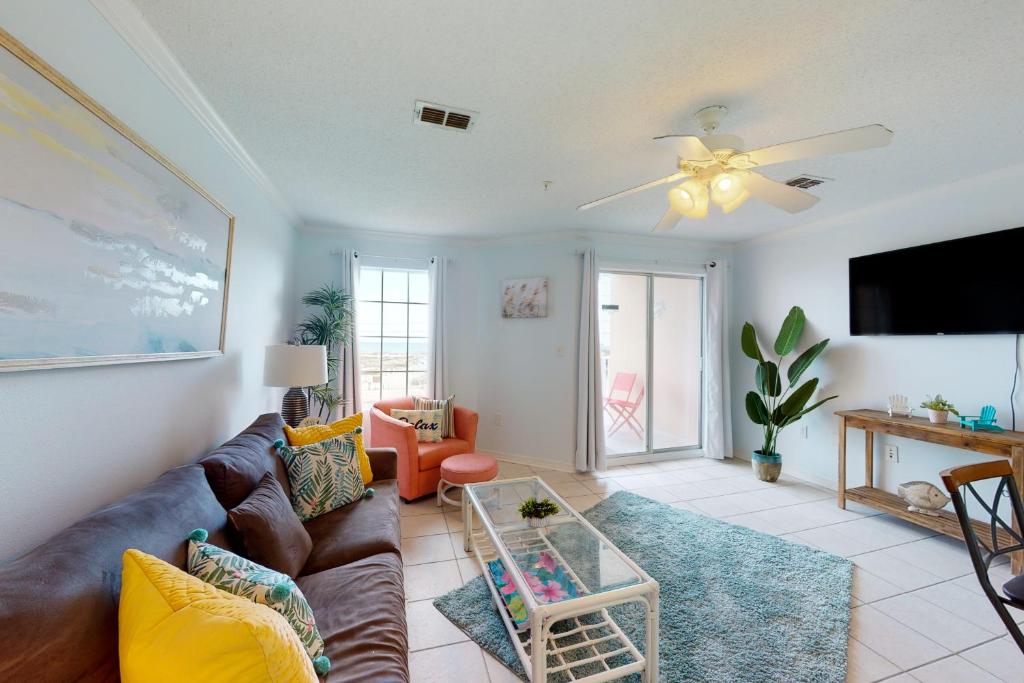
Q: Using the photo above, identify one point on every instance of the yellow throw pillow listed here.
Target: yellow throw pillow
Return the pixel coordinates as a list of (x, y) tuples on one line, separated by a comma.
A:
[(307, 436), (174, 627)]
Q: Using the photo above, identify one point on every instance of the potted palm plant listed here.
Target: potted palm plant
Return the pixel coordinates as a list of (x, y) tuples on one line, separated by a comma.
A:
[(330, 325), (772, 406)]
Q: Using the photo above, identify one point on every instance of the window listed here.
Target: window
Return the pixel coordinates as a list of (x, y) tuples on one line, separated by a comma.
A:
[(392, 314), (651, 329)]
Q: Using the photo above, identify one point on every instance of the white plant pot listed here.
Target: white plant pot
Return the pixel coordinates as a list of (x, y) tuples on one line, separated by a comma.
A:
[(938, 417), (536, 523)]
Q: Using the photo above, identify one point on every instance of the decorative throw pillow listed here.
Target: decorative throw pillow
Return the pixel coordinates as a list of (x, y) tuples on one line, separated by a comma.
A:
[(445, 404), (236, 575), (426, 422), (269, 531), (353, 424), (324, 476), (174, 627)]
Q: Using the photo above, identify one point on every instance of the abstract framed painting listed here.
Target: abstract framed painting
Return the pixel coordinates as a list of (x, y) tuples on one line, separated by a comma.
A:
[(525, 298), (109, 253)]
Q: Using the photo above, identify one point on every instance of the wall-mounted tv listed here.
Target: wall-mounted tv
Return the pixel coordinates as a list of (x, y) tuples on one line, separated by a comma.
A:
[(972, 285)]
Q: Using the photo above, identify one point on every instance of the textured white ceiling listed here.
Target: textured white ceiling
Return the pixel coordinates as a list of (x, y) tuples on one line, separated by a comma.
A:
[(321, 94)]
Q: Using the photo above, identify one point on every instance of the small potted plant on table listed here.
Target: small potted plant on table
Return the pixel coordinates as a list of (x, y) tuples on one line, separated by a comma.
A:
[(535, 511), (938, 409)]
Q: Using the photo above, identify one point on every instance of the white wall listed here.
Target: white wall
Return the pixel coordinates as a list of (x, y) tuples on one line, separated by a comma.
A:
[(72, 440), (808, 267), (522, 369)]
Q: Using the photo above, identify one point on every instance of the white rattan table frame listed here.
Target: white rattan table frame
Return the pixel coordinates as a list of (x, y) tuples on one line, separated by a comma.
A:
[(603, 643)]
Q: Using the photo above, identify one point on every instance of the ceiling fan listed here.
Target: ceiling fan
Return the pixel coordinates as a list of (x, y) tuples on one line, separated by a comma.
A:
[(713, 167)]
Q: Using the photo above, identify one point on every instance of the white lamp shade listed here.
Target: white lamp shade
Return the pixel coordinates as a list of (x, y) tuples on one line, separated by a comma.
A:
[(295, 366)]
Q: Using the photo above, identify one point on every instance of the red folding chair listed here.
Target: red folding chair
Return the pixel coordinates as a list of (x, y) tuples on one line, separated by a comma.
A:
[(620, 405)]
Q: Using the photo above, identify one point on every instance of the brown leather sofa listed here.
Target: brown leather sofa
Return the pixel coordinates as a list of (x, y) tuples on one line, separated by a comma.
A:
[(58, 602)]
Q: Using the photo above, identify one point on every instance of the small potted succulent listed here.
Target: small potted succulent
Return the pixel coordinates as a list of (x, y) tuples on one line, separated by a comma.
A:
[(938, 409), (536, 511)]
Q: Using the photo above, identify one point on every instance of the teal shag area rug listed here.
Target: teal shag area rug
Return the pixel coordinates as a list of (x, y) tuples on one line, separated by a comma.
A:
[(736, 605)]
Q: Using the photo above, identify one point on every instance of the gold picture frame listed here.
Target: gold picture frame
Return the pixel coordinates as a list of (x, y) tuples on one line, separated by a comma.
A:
[(150, 270)]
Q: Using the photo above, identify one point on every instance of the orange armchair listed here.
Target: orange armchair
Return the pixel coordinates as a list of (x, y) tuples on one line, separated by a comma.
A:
[(419, 464)]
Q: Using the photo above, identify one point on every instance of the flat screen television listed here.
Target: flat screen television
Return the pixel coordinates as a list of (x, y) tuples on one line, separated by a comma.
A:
[(972, 285)]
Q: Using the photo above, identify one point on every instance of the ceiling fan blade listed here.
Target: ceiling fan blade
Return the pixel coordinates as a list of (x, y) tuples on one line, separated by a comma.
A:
[(686, 147), (853, 140), (639, 188), (668, 221), (778, 194)]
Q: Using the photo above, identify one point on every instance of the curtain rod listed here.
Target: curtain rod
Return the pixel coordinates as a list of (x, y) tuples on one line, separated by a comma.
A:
[(393, 258)]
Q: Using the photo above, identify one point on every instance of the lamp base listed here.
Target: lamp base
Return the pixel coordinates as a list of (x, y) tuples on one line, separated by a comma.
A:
[(295, 407)]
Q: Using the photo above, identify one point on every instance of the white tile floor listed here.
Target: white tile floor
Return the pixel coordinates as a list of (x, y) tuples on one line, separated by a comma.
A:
[(918, 613)]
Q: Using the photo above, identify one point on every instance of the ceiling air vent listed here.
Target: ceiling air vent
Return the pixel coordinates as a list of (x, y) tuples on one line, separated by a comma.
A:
[(442, 116), (805, 181)]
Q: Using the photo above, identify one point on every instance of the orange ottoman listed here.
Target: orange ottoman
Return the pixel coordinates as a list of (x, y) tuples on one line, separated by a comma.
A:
[(462, 469)]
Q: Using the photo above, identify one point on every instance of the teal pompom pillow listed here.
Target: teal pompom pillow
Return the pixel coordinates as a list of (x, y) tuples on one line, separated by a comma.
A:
[(236, 575)]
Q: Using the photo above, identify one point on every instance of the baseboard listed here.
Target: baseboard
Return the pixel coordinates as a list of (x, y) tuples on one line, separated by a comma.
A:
[(794, 473), (531, 461)]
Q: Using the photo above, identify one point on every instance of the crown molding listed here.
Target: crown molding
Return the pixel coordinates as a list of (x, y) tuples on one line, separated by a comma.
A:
[(133, 28), (527, 239)]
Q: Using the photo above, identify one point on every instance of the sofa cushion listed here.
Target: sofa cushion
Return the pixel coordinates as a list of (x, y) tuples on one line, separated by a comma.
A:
[(58, 602), (431, 454), (360, 529), (235, 468), (360, 609), (268, 531)]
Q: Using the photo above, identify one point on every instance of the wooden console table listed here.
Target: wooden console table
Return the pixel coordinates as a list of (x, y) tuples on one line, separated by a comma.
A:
[(1004, 444)]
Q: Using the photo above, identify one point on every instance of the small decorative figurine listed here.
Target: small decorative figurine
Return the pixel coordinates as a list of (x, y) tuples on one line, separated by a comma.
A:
[(923, 497), (986, 422), (898, 405)]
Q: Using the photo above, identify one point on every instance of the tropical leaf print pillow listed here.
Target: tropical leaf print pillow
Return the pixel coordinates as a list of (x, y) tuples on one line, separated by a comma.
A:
[(236, 575), (324, 476)]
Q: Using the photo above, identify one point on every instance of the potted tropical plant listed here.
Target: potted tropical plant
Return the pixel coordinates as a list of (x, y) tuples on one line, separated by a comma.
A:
[(330, 326), (938, 409), (534, 511), (772, 406)]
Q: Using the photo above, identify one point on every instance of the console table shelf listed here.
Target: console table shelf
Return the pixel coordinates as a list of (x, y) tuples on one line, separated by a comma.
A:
[(1005, 444)]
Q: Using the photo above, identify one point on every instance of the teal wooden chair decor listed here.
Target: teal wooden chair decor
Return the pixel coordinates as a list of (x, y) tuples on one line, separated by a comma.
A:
[(986, 422)]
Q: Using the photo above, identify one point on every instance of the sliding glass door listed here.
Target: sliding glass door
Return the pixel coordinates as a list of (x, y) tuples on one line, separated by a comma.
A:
[(651, 354)]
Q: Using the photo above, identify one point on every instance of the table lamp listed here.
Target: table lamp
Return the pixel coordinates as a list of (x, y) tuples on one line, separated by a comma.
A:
[(295, 367)]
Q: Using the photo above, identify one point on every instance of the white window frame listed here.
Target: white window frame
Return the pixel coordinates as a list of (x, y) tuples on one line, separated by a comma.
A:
[(407, 265)]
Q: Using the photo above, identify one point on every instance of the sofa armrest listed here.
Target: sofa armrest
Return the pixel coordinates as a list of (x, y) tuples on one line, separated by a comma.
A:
[(466, 422), (383, 462)]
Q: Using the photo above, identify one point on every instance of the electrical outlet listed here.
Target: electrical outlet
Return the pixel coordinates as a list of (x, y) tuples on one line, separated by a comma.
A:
[(803, 431), (892, 453), (498, 420)]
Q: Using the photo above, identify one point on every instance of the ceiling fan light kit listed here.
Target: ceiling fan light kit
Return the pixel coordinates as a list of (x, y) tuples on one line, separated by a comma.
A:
[(713, 166)]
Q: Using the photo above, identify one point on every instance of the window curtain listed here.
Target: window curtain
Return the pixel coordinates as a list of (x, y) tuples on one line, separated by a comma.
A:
[(348, 370), (437, 357), (718, 423), (589, 398)]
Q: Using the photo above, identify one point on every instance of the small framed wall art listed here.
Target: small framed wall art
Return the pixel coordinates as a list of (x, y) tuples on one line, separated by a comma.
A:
[(525, 298)]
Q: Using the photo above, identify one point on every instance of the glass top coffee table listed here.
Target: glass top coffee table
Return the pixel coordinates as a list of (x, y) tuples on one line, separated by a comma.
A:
[(553, 585)]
